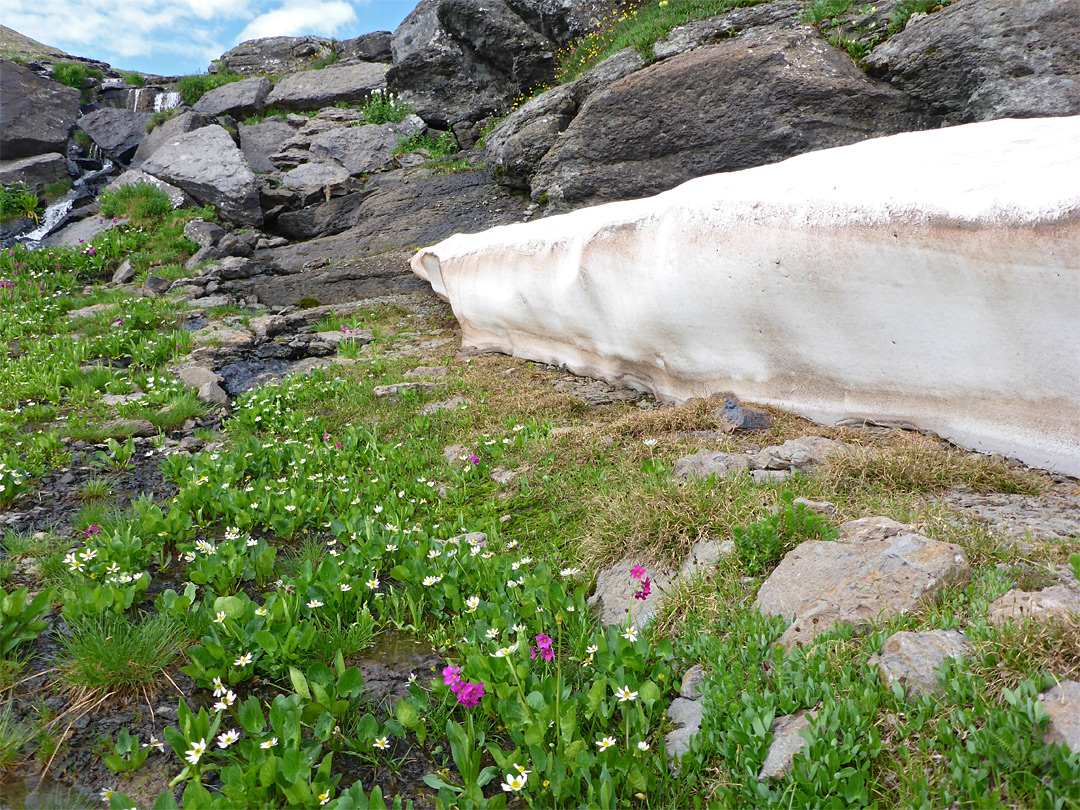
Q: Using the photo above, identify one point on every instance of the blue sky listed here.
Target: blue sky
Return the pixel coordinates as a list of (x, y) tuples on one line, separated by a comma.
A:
[(172, 37)]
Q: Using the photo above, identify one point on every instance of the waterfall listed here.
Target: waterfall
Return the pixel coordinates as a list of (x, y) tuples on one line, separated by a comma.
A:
[(166, 100), (133, 96), (52, 217)]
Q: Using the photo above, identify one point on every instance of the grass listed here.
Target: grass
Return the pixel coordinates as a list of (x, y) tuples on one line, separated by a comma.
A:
[(192, 88), (13, 736), (18, 201), (135, 78), (144, 203), (441, 147), (76, 75)]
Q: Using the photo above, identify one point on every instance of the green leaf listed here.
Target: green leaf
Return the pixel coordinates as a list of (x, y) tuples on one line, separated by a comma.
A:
[(406, 714), (534, 734), (232, 606), (299, 683), (351, 683), (166, 801), (251, 716)]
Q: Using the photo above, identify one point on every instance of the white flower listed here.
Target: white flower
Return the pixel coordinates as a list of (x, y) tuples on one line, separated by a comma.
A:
[(492, 634), (261, 611), (345, 586), (290, 507), (502, 652), (314, 603), (429, 581), (591, 649), (324, 798), (642, 745), (373, 583), (106, 794), (471, 604), (252, 542), (391, 547), (605, 743), (219, 688), (243, 660), (268, 744), (220, 618), (631, 633), (156, 744), (570, 572), (382, 743), (194, 754), (624, 694), (228, 738), (649, 442), (514, 782)]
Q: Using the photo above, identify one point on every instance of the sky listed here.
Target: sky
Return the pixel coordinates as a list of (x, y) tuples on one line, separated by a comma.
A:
[(175, 37)]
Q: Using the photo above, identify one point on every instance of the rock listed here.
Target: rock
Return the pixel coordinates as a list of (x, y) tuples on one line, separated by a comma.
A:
[(37, 171), (787, 741), (259, 141), (771, 476), (232, 268), (124, 273), (177, 198), (274, 55), (204, 234), (1056, 602), (1062, 703), (89, 312), (366, 149), (82, 231), (779, 15), (691, 682), (462, 60), (913, 659), (716, 243), (686, 716), (207, 165), (117, 133), (1027, 63), (36, 114), (395, 390), (758, 98), (820, 583), (704, 556), (428, 373), (318, 181), (238, 99), (799, 454), (315, 89), (324, 219), (218, 334), (156, 285), (210, 301), (267, 325), (710, 462), (456, 453), (615, 591), (373, 47), (192, 443), (733, 415), (182, 123), (873, 528), (126, 428), (205, 382), (820, 507), (452, 404)]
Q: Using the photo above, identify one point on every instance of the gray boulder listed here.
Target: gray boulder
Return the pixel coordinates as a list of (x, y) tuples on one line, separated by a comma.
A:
[(177, 198), (1057, 602), (238, 99), (180, 124), (36, 114), (323, 219), (314, 182), (711, 30), (977, 60), (204, 234), (315, 89), (208, 165), (1062, 703), (787, 741), (913, 659), (37, 171), (117, 133), (373, 47), (366, 149), (758, 98), (259, 141), (274, 55), (686, 716)]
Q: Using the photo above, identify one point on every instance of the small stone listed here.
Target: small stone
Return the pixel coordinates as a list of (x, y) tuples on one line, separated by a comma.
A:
[(267, 325), (124, 273), (691, 682), (192, 443), (704, 555), (820, 507), (456, 453), (1063, 705), (686, 716), (733, 415), (506, 518), (394, 390), (428, 373), (1057, 602), (873, 528), (771, 476), (502, 475), (155, 285), (786, 743), (710, 462), (452, 404), (913, 659), (477, 539)]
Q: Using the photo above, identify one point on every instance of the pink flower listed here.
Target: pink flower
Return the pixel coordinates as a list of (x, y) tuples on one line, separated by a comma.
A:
[(646, 589), (95, 529), (637, 572), (470, 693), (474, 459), (452, 676)]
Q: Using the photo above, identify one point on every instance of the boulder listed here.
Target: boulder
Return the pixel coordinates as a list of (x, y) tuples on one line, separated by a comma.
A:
[(1062, 703), (274, 55), (366, 149), (939, 295), (318, 181), (373, 47), (208, 165), (758, 98), (787, 741), (315, 89), (204, 234), (704, 463), (777, 15), (914, 659), (180, 124), (734, 416), (77, 233), (323, 219), (36, 171), (462, 60), (821, 583), (259, 141), (1057, 602), (205, 382), (686, 716), (36, 114), (177, 198), (117, 133), (238, 99), (615, 590), (1026, 62)]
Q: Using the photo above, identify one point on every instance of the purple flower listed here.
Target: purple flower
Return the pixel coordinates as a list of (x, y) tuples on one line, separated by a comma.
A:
[(94, 529), (637, 572), (474, 459), (544, 641), (470, 693), (452, 676), (646, 589)]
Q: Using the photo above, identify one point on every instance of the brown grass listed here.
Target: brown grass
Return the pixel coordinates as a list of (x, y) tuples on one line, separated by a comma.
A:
[(1008, 654)]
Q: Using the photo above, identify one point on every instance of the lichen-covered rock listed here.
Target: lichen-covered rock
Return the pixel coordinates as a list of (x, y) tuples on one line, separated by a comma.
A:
[(315, 89), (274, 55), (238, 99), (1058, 602), (36, 114), (912, 659)]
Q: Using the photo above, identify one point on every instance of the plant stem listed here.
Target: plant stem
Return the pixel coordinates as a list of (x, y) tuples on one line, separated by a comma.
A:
[(521, 691)]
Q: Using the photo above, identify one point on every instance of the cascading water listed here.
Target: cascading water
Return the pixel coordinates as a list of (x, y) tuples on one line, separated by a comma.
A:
[(166, 100), (57, 213)]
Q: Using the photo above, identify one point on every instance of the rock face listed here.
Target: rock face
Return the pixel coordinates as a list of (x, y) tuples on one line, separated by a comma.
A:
[(461, 60), (758, 98), (259, 141), (1062, 703), (117, 133), (274, 55), (209, 166), (820, 583), (239, 99), (36, 114), (839, 298), (1026, 62), (36, 172), (373, 47), (911, 659), (314, 89), (366, 149), (1057, 602), (179, 124)]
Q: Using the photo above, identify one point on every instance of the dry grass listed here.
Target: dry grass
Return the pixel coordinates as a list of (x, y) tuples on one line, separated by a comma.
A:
[(1008, 654)]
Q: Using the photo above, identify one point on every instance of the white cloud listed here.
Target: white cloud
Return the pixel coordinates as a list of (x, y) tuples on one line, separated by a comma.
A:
[(294, 18)]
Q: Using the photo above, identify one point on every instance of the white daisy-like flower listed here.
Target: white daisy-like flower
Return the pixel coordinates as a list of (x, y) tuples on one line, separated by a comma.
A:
[(345, 587), (314, 603), (243, 660), (268, 744), (261, 611), (605, 743), (373, 583), (624, 694), (228, 738), (492, 633), (429, 581), (570, 572), (630, 634), (219, 687), (502, 652), (382, 743), (591, 649), (194, 754), (642, 745), (471, 604), (391, 546), (514, 782), (220, 618)]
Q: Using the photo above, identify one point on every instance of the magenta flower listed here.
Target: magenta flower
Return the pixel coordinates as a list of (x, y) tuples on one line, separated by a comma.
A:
[(646, 589), (451, 676), (470, 693), (95, 529), (474, 459), (637, 572)]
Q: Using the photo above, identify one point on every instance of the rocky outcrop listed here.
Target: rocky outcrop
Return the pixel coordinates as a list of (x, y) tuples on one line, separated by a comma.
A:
[(117, 133), (793, 456), (364, 149), (757, 99), (941, 295), (977, 60), (180, 124), (35, 172), (314, 89), (821, 583), (36, 114), (373, 47), (208, 165), (274, 55), (259, 141), (238, 99), (914, 659)]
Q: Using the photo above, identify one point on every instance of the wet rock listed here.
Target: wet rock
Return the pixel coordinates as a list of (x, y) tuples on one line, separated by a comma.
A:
[(395, 390), (820, 583), (315, 89), (733, 415), (177, 198), (913, 659), (1057, 602), (37, 113), (787, 741), (180, 124), (156, 285), (259, 141), (1062, 702), (117, 133), (36, 172), (686, 716), (238, 99)]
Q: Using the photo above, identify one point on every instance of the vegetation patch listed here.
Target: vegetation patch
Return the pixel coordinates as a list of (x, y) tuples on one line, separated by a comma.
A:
[(192, 88)]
